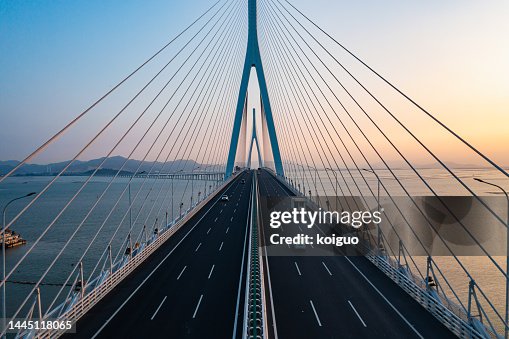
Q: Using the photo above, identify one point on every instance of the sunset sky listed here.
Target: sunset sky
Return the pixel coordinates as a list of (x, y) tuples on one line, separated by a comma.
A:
[(452, 57)]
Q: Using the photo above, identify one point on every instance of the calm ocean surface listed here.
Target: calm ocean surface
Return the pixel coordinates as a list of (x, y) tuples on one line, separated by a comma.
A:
[(153, 203)]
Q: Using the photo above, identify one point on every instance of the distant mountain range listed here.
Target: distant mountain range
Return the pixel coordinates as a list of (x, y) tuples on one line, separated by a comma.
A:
[(113, 164), (86, 167)]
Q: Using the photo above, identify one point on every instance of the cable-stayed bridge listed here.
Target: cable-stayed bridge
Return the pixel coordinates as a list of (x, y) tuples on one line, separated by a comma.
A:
[(167, 252)]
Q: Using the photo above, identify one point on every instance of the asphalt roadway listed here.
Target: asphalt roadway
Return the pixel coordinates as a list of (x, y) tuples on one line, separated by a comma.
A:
[(337, 296), (191, 287)]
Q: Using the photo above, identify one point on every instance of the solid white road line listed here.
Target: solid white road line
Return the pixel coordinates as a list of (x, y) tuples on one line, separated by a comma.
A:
[(227, 230), (358, 316), (196, 250), (386, 300), (297, 267), (316, 314), (270, 291), (211, 270), (157, 310), (248, 214), (208, 231), (181, 272), (197, 306), (326, 268), (220, 247)]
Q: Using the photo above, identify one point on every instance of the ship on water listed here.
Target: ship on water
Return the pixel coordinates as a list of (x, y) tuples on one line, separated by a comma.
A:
[(12, 239)]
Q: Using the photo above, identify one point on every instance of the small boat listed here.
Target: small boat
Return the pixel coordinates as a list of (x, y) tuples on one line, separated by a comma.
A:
[(12, 239)]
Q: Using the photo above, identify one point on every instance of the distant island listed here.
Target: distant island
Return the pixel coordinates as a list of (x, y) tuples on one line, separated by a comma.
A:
[(110, 167)]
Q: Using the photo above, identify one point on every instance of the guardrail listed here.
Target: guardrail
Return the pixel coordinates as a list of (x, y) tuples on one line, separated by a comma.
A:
[(83, 304), (458, 325)]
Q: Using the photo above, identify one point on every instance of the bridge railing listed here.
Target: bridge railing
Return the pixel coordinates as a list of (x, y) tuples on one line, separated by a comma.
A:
[(433, 291), (442, 308)]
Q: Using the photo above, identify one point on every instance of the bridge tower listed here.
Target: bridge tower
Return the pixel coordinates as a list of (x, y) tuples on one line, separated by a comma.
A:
[(254, 139), (253, 59)]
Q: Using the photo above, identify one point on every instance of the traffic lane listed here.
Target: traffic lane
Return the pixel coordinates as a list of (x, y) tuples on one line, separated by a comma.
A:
[(312, 303), (423, 321), (360, 272), (264, 183), (426, 323), (277, 186), (338, 294), (293, 312), (217, 313), (342, 293), (296, 314), (192, 290), (209, 288), (270, 189), (270, 186), (317, 295), (219, 310), (189, 281), (95, 318)]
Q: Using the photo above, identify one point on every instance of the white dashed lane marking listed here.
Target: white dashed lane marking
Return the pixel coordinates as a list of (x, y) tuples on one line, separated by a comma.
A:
[(358, 316), (157, 310), (314, 311), (297, 267), (326, 268), (197, 306), (181, 272), (211, 270)]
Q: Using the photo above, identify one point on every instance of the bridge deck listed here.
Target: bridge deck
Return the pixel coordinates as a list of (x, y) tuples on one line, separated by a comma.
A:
[(193, 287), (339, 296), (189, 287)]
